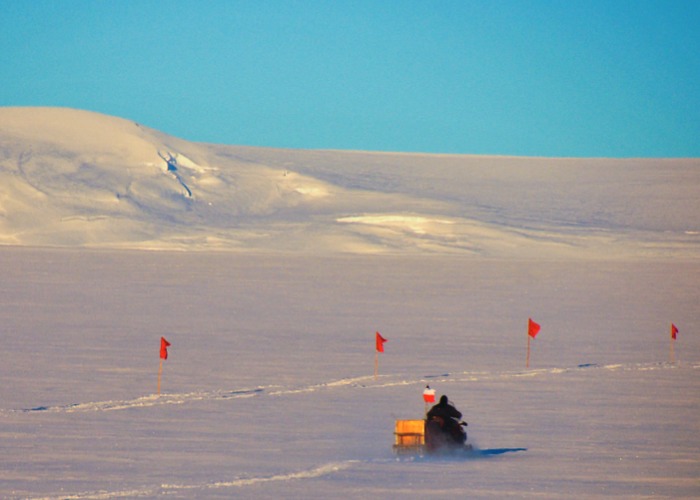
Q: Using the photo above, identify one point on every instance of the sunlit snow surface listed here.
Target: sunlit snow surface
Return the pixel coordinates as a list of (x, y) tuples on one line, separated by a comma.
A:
[(268, 391), (269, 272), (73, 178)]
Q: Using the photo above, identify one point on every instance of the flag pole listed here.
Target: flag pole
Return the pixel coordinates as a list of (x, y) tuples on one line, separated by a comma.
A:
[(376, 364), (671, 354), (160, 373), (527, 359)]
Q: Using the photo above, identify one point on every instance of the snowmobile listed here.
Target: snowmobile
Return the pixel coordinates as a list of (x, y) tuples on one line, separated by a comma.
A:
[(445, 435), (433, 436)]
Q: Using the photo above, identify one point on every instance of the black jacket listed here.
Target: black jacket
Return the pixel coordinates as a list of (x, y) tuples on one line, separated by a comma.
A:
[(444, 410)]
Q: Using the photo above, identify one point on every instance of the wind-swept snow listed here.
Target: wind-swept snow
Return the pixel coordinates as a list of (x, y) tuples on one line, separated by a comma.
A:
[(268, 389), (80, 179)]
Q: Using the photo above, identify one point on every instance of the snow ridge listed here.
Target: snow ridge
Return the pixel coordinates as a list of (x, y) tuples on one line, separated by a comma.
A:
[(146, 401), (319, 471), (164, 489), (355, 383)]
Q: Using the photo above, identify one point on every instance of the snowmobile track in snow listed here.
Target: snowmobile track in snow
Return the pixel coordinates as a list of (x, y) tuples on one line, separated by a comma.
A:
[(360, 383)]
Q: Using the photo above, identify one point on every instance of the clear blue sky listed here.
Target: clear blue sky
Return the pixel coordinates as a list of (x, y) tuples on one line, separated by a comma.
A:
[(613, 78)]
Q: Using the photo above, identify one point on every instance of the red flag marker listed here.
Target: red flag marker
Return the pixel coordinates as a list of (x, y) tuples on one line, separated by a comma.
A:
[(674, 334), (532, 328), (163, 355), (380, 342), (164, 344)]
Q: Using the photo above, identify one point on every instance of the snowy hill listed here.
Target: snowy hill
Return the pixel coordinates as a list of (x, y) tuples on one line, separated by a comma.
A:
[(80, 179)]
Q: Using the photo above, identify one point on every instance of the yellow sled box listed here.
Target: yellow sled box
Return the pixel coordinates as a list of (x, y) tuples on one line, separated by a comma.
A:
[(409, 436)]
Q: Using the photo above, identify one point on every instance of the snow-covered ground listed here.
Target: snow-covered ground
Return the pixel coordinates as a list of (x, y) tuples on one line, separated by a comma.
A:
[(268, 391), (272, 272)]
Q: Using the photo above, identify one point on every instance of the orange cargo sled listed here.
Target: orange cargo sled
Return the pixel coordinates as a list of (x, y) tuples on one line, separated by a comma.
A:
[(409, 436), (410, 439)]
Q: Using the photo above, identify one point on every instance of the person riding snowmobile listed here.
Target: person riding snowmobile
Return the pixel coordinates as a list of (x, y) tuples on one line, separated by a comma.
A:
[(443, 426)]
